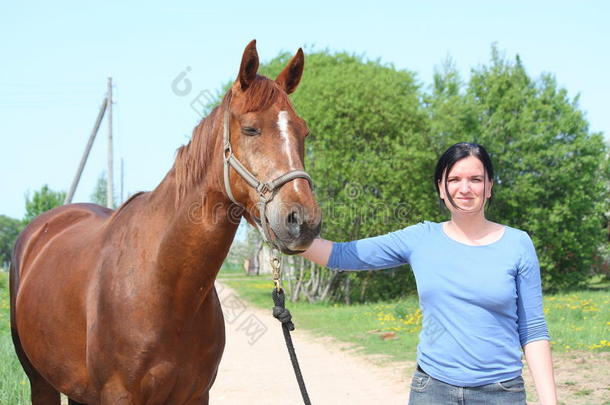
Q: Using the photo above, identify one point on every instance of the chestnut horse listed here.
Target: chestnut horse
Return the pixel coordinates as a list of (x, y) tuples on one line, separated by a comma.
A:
[(119, 307)]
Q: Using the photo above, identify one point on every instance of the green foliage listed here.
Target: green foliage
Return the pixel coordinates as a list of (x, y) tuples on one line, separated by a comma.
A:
[(375, 137), (42, 200), (367, 152), (551, 172), (100, 194), (9, 230)]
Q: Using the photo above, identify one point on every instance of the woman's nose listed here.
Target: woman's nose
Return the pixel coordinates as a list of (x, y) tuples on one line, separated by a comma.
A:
[(464, 186)]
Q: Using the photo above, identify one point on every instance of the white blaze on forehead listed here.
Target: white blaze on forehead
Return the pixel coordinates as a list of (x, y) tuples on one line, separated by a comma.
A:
[(282, 123), (288, 149)]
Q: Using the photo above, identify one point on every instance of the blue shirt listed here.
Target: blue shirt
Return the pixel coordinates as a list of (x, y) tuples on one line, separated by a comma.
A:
[(480, 304)]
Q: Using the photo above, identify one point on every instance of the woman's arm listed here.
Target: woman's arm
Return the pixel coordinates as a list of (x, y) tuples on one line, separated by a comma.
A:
[(540, 363), (319, 251), (378, 252)]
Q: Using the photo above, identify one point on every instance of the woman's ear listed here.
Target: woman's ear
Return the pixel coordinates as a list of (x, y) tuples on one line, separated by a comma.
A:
[(488, 189), (441, 190)]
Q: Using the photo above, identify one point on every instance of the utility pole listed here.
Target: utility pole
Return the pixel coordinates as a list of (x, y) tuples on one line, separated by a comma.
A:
[(83, 160), (109, 192)]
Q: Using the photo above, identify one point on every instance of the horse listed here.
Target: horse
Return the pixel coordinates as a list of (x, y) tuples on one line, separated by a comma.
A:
[(119, 307)]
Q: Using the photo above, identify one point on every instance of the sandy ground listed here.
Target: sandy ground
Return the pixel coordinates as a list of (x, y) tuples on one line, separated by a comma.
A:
[(582, 378), (256, 368)]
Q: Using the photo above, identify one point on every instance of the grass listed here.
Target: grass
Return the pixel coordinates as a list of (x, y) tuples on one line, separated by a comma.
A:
[(579, 320), (14, 385), (576, 321)]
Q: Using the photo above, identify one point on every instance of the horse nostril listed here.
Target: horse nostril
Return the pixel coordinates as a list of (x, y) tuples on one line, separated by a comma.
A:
[(294, 221), (294, 218)]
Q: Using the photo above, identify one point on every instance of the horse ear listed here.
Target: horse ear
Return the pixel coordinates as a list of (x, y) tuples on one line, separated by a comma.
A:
[(291, 75), (249, 65)]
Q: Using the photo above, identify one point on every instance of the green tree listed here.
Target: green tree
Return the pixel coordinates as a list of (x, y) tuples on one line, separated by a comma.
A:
[(452, 114), (369, 158), (551, 170), (375, 137), (42, 200), (9, 230), (100, 194)]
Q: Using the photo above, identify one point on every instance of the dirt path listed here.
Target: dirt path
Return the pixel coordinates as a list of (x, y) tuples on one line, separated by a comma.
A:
[(582, 378), (256, 368)]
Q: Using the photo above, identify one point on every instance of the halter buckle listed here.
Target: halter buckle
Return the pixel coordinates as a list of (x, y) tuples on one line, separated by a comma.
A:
[(227, 152), (262, 189)]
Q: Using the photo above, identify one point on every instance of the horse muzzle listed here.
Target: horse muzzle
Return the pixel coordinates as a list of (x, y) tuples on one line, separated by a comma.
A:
[(293, 227)]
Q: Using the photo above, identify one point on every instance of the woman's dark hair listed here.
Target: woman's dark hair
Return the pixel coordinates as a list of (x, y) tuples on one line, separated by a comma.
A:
[(457, 152)]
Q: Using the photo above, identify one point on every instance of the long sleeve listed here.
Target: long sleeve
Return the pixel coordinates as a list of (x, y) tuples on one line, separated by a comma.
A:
[(379, 252), (531, 323)]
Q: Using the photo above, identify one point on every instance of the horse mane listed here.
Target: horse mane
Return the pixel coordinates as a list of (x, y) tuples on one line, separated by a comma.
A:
[(192, 159)]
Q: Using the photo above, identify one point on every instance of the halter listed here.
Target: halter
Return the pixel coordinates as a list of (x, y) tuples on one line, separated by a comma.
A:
[(266, 191)]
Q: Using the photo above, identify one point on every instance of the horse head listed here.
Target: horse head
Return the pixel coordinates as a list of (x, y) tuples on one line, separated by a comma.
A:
[(264, 154)]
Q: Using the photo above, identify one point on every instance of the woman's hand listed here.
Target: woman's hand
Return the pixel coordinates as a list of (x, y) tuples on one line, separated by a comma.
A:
[(319, 251)]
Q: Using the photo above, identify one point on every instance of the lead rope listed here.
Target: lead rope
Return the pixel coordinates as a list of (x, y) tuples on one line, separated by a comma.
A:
[(283, 315)]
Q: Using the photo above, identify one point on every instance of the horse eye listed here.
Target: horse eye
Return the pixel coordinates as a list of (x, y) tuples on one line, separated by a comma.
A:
[(250, 131)]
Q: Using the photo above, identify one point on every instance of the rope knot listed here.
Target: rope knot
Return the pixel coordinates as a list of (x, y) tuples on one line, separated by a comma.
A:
[(279, 310)]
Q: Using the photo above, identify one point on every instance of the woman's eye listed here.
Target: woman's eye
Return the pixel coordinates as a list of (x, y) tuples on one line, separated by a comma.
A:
[(250, 131)]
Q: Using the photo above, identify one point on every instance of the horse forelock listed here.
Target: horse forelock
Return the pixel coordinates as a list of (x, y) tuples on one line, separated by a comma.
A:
[(259, 96)]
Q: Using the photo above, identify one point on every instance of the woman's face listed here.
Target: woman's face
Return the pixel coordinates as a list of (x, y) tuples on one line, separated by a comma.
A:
[(467, 185)]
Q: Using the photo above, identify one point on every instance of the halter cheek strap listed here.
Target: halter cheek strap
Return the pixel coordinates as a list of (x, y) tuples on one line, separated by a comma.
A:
[(266, 191)]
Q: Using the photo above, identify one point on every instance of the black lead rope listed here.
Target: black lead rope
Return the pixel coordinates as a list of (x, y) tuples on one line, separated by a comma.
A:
[(283, 315)]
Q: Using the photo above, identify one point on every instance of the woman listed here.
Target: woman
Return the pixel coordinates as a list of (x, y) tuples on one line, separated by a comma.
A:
[(479, 290)]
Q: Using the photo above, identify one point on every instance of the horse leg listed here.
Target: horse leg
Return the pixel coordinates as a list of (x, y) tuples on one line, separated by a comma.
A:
[(42, 392)]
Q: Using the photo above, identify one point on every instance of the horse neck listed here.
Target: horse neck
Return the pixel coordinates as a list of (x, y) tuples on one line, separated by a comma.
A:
[(195, 228)]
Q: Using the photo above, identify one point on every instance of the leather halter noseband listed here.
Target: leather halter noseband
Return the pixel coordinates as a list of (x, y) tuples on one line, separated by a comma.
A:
[(266, 191)]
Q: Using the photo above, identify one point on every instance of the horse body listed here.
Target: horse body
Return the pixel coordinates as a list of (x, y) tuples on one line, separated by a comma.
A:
[(119, 307), (155, 318)]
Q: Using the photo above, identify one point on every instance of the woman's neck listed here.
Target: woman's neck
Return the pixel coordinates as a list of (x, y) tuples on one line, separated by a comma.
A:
[(469, 223), (473, 229)]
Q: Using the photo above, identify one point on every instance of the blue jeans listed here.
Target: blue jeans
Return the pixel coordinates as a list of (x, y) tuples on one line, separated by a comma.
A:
[(426, 390)]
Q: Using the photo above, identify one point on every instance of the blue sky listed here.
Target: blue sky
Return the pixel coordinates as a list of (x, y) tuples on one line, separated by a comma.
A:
[(56, 57)]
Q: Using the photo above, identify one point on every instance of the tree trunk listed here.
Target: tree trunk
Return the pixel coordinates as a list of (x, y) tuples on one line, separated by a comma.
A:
[(365, 284), (329, 287), (299, 280), (346, 288)]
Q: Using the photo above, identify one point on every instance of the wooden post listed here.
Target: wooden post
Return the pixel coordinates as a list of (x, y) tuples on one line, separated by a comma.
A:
[(83, 160), (109, 190)]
